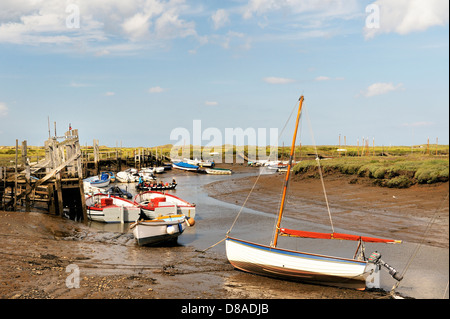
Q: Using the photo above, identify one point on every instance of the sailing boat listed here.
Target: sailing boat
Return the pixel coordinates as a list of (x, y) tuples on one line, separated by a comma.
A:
[(301, 266)]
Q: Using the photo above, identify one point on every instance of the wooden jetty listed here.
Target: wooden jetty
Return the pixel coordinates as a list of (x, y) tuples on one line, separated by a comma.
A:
[(55, 181)]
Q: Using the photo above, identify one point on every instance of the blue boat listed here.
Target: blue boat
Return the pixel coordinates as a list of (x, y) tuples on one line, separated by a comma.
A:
[(185, 166), (99, 181)]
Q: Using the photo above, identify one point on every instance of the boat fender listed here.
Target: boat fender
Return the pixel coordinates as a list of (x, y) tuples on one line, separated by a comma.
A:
[(180, 228), (170, 230), (190, 221)]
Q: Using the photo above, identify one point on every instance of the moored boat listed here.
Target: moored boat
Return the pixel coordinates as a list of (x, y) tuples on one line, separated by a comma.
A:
[(154, 204), (218, 171), (358, 272), (155, 186), (128, 176), (111, 209), (163, 229), (185, 166), (98, 181)]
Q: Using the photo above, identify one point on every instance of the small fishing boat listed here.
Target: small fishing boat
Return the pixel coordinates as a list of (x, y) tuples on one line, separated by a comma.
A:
[(218, 171), (163, 229), (159, 170), (269, 260), (118, 192), (155, 204), (185, 166), (111, 209), (98, 181), (155, 186), (128, 176)]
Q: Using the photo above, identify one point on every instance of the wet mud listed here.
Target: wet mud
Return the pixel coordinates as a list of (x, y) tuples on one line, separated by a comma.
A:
[(42, 255)]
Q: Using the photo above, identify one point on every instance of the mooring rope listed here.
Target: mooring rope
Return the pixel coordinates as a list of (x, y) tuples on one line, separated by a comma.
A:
[(414, 254)]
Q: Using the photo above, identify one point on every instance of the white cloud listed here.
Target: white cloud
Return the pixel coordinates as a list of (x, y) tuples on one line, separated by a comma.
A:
[(322, 78), (276, 80), (418, 124), (211, 103), (220, 18), (110, 93), (381, 88), (3, 109), (406, 16), (33, 22), (324, 8), (327, 78), (156, 89)]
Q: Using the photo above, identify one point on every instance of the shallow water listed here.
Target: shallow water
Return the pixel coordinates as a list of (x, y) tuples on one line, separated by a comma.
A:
[(426, 277)]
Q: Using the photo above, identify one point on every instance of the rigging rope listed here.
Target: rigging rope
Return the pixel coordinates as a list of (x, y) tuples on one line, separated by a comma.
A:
[(254, 184), (320, 170), (260, 171)]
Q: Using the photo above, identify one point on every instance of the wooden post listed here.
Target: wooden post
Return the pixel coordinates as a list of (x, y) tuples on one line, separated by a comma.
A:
[(436, 144), (80, 176), (15, 176), (96, 157), (373, 146), (27, 175)]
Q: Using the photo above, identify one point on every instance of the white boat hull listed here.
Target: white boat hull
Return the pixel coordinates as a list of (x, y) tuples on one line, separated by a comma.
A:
[(118, 210), (152, 232), (215, 171), (114, 214), (296, 266), (127, 177)]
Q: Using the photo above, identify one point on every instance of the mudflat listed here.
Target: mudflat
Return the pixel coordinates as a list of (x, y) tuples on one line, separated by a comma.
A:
[(43, 255), (418, 214)]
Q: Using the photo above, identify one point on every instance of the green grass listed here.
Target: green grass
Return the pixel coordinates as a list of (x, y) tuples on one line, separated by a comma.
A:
[(393, 171), (394, 166)]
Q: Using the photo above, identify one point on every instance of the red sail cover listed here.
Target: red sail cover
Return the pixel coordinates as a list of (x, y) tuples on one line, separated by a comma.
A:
[(309, 234)]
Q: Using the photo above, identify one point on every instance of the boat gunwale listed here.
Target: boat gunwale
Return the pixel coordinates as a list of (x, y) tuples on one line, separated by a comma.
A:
[(186, 203)]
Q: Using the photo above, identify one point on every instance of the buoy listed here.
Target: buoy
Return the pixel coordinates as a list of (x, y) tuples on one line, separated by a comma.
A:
[(170, 230), (190, 221)]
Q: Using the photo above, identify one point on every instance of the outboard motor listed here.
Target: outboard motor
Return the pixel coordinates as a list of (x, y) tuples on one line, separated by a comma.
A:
[(375, 258)]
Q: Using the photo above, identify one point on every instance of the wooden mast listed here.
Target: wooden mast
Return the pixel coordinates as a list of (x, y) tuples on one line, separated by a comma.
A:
[(286, 182)]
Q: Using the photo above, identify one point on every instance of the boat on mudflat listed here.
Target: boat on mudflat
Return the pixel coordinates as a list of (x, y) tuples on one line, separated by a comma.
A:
[(218, 171), (111, 209), (128, 176), (358, 272), (164, 229), (155, 204), (185, 166)]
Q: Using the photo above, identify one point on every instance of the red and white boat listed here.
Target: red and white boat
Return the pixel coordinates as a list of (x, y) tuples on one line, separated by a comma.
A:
[(111, 209), (156, 204)]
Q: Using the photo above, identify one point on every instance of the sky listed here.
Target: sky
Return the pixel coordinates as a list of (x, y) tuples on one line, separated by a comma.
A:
[(136, 73)]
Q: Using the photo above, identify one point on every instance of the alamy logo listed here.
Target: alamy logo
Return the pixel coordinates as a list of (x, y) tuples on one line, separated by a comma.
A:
[(373, 18), (73, 280), (253, 139), (73, 19)]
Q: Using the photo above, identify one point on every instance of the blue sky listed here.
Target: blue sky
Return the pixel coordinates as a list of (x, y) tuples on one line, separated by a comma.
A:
[(132, 71)]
